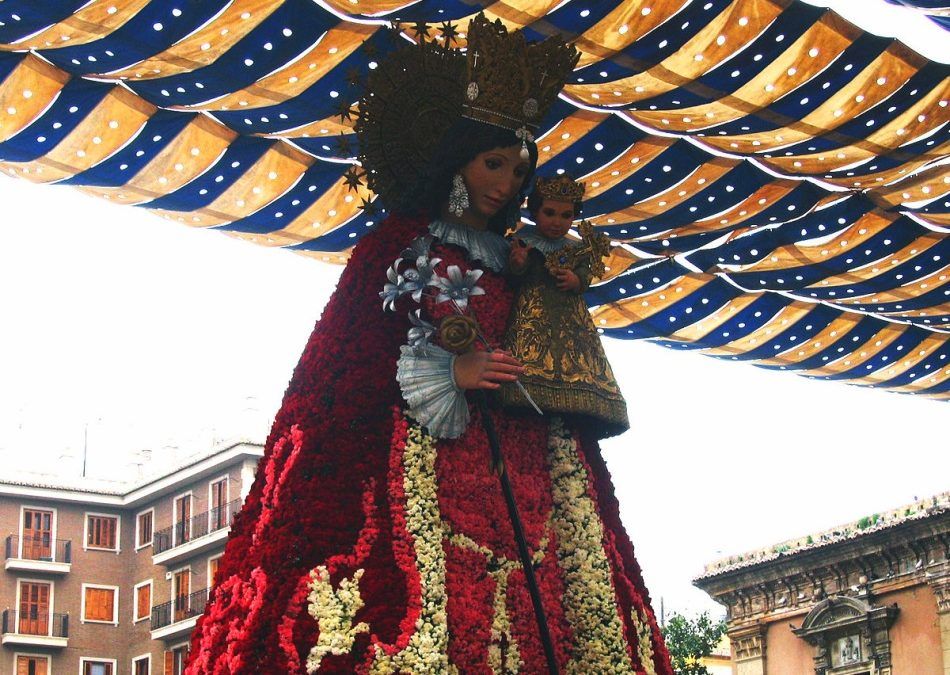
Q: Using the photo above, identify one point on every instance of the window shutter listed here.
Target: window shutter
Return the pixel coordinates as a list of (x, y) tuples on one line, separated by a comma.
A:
[(144, 600), (169, 663)]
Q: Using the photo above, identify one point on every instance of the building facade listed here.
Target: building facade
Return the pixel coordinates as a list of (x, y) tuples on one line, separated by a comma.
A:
[(868, 598), (109, 579)]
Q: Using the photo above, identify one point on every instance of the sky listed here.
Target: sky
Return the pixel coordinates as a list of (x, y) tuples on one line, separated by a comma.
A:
[(122, 332)]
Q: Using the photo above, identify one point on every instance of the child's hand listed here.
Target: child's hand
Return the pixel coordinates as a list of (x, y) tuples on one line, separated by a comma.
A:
[(518, 258), (567, 280)]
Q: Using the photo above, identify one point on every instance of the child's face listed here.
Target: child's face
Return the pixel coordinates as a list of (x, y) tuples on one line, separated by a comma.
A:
[(554, 218)]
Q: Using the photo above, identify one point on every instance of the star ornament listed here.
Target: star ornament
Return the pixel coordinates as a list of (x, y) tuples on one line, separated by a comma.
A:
[(353, 178)]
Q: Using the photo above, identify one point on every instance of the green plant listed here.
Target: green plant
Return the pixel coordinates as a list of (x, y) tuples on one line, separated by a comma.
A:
[(691, 639)]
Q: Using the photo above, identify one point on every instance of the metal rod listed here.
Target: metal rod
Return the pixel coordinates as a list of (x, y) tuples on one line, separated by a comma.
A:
[(498, 463)]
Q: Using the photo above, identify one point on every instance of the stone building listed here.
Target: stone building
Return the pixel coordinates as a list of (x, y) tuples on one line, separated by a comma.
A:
[(108, 578), (868, 598)]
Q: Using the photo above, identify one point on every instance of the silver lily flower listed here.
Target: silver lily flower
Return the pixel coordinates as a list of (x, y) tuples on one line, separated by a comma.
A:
[(457, 286), (420, 332), (394, 289)]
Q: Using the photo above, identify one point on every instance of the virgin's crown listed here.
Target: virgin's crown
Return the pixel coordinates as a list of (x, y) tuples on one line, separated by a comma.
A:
[(560, 189), (512, 83)]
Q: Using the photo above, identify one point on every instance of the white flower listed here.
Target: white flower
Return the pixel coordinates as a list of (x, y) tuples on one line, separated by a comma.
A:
[(458, 287)]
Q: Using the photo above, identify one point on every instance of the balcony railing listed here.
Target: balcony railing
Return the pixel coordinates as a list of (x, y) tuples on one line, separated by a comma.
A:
[(178, 609), (197, 526), (39, 547), (35, 623)]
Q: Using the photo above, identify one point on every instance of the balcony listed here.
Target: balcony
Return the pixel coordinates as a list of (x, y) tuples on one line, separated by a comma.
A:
[(34, 629), (38, 554), (177, 618), (199, 534)]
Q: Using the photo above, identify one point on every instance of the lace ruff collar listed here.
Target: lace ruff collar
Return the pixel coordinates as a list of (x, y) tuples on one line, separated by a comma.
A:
[(488, 247), (529, 234)]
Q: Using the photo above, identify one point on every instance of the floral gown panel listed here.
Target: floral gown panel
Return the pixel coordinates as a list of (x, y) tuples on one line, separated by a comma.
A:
[(368, 546)]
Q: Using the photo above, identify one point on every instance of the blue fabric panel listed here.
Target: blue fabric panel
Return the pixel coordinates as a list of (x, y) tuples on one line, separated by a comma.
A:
[(892, 239), (927, 366), (653, 48), (76, 100), (835, 347), (342, 237), (159, 25), (733, 73), (435, 11), (713, 296), (276, 215), (233, 163), (303, 19), (9, 61), (757, 245), (116, 170), (21, 18), (637, 280), (892, 353), (320, 101)]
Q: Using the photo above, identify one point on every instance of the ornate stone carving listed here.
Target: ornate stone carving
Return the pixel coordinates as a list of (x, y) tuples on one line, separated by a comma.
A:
[(748, 642), (848, 631)]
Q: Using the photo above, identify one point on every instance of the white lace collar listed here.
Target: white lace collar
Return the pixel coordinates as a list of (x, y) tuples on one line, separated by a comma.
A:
[(529, 234), (482, 245)]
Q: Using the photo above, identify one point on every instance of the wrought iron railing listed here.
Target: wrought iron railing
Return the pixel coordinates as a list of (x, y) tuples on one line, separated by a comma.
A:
[(197, 526), (179, 608), (39, 547), (35, 622)]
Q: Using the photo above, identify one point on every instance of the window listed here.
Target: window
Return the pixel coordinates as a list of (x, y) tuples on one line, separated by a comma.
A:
[(34, 614), (212, 570), (37, 540), (32, 665), (175, 660), (101, 532), (143, 601), (99, 603), (142, 665), (181, 593), (97, 666), (143, 528), (182, 519), (218, 515)]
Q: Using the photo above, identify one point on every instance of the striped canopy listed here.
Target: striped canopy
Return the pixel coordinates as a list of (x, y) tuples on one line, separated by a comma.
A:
[(776, 177)]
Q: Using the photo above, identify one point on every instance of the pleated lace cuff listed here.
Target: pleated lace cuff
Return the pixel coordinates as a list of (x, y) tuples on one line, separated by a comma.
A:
[(427, 383)]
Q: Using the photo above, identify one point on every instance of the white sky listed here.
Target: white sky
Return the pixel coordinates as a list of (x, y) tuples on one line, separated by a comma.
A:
[(154, 335)]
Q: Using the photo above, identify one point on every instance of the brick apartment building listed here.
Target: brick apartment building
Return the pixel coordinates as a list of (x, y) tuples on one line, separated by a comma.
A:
[(109, 578)]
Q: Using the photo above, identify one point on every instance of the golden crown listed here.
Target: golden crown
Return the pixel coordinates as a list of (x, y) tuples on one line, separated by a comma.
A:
[(512, 83), (560, 189)]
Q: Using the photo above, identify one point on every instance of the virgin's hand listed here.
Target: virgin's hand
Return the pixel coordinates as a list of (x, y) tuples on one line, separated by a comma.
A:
[(567, 280), (486, 370)]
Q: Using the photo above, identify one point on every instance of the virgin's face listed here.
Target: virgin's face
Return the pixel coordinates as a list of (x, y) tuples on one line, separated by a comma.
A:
[(493, 179), (554, 218)]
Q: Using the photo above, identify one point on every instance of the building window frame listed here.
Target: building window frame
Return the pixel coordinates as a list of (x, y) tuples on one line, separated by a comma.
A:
[(30, 507), (226, 478), (171, 649), (178, 538), (50, 611), (135, 600), (115, 605), (118, 532), (83, 660), (138, 545), (144, 657), (45, 657), (208, 575)]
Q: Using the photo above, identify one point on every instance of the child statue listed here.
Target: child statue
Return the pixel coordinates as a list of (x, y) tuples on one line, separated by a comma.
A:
[(550, 330)]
